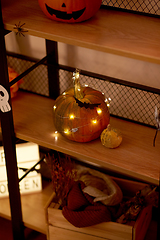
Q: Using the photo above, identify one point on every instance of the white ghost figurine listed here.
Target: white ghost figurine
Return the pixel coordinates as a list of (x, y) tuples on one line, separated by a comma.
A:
[(4, 97)]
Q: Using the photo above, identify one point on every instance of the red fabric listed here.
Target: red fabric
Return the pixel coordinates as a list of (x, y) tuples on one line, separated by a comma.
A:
[(76, 198), (81, 211)]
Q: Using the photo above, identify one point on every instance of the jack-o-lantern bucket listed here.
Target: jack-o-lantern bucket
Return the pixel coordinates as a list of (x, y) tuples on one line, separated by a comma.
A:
[(70, 11)]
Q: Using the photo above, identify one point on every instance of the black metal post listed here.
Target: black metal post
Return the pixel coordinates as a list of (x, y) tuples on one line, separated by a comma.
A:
[(8, 136), (53, 68)]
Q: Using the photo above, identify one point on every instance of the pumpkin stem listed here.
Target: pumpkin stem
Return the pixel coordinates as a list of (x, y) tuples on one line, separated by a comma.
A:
[(78, 93)]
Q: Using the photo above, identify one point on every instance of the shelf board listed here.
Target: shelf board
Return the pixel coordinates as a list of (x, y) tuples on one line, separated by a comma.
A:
[(116, 32), (33, 208), (136, 157)]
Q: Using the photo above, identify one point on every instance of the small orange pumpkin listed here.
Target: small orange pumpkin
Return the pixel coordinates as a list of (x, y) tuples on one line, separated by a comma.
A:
[(81, 113), (12, 75), (70, 11)]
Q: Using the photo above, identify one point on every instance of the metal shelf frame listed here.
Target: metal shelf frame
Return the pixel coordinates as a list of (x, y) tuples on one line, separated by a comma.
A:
[(8, 136), (7, 126)]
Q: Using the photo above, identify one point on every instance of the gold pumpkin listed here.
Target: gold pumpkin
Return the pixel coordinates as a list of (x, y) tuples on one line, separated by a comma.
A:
[(111, 137)]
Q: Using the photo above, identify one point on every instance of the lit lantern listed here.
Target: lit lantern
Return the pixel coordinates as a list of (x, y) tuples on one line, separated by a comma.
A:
[(81, 113)]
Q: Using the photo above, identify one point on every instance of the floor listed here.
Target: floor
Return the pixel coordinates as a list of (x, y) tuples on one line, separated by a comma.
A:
[(6, 232)]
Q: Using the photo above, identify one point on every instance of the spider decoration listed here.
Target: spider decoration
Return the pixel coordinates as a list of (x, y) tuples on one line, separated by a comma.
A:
[(19, 28)]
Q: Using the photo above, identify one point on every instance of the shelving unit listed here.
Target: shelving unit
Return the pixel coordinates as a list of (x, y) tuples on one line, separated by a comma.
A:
[(115, 32)]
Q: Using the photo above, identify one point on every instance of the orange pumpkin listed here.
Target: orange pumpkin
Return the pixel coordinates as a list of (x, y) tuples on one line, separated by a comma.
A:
[(81, 113), (12, 75), (70, 11)]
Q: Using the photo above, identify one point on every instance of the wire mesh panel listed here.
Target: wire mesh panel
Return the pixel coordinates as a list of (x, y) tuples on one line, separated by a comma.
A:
[(36, 81), (143, 6), (126, 101)]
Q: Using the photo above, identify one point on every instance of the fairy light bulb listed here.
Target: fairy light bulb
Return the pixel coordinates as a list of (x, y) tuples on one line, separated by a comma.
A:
[(54, 107), (71, 116), (94, 121), (64, 93), (66, 131), (99, 111), (108, 101), (77, 74)]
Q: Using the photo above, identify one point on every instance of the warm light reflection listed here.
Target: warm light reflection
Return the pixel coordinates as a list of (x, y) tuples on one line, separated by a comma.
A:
[(55, 135)]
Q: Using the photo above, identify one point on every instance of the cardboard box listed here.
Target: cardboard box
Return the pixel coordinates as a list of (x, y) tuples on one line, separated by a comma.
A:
[(58, 228)]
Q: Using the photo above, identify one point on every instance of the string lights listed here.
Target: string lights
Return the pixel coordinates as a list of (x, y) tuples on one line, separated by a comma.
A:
[(94, 121)]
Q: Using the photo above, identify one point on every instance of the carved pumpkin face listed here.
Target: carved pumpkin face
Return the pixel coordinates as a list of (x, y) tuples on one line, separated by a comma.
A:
[(70, 11)]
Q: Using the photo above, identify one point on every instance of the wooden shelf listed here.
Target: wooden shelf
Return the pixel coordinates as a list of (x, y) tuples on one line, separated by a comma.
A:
[(32, 208), (136, 157), (110, 31)]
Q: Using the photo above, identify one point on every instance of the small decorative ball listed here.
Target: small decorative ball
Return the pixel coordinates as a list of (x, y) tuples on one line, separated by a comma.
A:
[(111, 137)]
